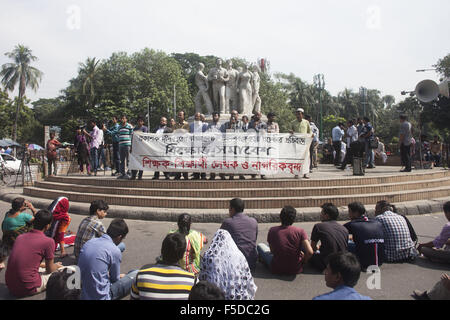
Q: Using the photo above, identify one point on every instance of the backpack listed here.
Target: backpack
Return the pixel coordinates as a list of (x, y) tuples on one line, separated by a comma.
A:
[(412, 232)]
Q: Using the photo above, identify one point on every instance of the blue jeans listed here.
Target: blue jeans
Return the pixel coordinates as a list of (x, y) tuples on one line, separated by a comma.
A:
[(351, 247), (121, 288), (94, 159), (369, 156), (264, 254), (101, 157)]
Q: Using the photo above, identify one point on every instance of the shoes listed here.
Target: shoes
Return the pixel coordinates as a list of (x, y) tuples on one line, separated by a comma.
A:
[(155, 178), (419, 295), (405, 170), (370, 167), (264, 177), (305, 177), (342, 168), (296, 177)]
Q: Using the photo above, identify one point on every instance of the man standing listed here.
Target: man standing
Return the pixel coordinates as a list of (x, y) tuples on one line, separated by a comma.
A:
[(337, 134), (219, 77), (352, 137), (96, 139), (181, 125), (366, 135), (140, 127), (99, 265), (163, 128), (405, 143), (300, 125), (258, 125), (52, 145), (125, 134), (436, 151), (314, 144), (198, 127), (243, 230), (114, 132)]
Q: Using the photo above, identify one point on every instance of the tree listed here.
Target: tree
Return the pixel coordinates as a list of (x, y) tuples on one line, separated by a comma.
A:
[(20, 72), (87, 72), (443, 66)]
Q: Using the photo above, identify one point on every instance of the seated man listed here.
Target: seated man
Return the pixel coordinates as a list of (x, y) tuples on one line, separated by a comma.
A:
[(16, 221), (23, 276), (243, 230), (398, 245), (205, 290), (289, 246), (440, 291), (342, 274), (58, 289), (328, 152), (368, 236), (91, 227), (99, 264), (165, 280), (380, 152), (439, 248), (332, 236), (436, 151)]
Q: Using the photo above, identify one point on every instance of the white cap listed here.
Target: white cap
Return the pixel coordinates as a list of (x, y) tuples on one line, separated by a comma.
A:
[(300, 110)]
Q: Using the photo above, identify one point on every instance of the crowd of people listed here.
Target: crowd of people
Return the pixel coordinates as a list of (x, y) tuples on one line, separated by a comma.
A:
[(224, 270)]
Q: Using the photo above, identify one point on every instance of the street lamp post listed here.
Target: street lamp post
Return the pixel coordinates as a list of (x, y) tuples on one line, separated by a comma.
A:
[(363, 98), (319, 82)]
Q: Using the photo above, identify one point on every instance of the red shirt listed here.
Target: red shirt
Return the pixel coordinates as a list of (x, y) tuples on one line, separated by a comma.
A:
[(286, 245), (22, 273)]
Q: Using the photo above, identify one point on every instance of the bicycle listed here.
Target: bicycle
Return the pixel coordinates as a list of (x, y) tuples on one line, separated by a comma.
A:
[(5, 174)]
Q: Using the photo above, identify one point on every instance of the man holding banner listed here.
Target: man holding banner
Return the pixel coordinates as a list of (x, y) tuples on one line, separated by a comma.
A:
[(301, 125)]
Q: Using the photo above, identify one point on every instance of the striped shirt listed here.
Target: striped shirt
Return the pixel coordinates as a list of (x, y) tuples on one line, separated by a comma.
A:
[(162, 282), (90, 227), (125, 134)]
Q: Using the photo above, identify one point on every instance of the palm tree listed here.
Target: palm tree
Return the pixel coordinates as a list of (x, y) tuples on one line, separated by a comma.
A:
[(87, 72), (20, 71)]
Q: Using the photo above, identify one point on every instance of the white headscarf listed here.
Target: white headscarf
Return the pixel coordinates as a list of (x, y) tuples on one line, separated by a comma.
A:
[(224, 265)]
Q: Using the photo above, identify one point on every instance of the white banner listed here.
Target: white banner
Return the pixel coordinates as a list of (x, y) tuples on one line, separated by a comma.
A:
[(230, 153)]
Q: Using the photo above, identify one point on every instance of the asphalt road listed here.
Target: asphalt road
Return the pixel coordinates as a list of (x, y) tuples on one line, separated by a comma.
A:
[(397, 280)]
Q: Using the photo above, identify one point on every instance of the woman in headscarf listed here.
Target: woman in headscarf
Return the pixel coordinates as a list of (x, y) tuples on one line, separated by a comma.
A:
[(61, 220), (224, 265), (194, 244)]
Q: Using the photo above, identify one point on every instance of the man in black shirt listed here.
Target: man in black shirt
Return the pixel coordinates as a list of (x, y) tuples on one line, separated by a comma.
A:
[(333, 236), (368, 236)]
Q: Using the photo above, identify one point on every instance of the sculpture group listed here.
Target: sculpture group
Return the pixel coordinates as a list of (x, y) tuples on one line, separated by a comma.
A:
[(227, 89)]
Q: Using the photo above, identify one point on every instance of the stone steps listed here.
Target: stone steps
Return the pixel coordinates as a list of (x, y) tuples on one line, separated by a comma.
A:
[(227, 193), (346, 180), (250, 203)]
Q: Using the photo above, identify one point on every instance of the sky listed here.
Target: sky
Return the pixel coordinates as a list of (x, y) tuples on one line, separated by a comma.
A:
[(378, 44)]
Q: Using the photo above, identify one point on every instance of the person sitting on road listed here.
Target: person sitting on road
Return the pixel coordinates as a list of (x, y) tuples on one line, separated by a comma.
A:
[(398, 244), (439, 248), (165, 280), (4, 253), (342, 274), (243, 230), (25, 273), (58, 288), (92, 227), (194, 244), (333, 236), (17, 221), (99, 264), (205, 290), (368, 236), (289, 248), (440, 291), (224, 265)]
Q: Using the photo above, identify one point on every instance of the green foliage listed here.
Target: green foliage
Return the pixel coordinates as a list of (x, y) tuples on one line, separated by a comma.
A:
[(443, 66)]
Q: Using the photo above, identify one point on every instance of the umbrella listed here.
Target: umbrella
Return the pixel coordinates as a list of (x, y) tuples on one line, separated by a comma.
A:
[(34, 147), (4, 143)]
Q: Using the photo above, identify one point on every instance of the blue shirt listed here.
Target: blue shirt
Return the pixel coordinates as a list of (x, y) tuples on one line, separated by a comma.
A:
[(337, 133), (114, 132), (342, 293), (99, 264)]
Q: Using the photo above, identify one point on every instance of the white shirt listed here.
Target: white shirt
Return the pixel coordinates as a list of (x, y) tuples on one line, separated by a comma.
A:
[(315, 131), (352, 135)]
